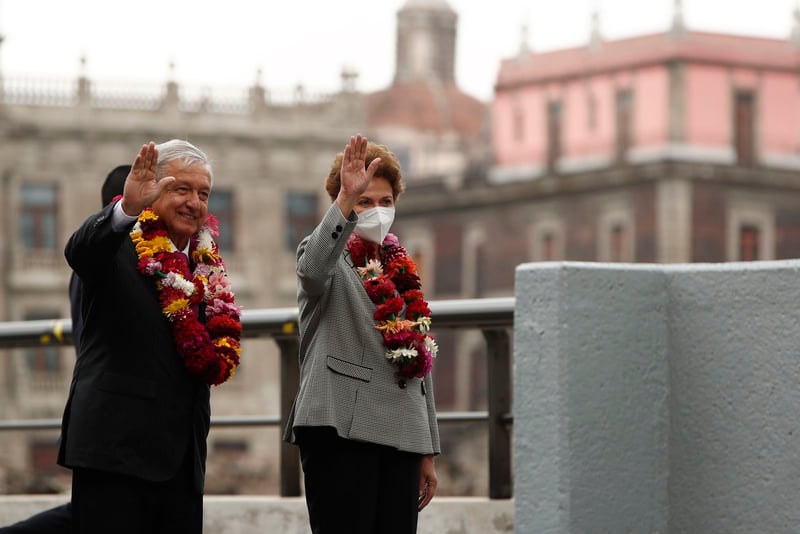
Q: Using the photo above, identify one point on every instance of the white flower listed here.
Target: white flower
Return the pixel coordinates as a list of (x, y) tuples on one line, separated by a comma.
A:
[(424, 324), (204, 240), (178, 282), (371, 270), (431, 346), (401, 354)]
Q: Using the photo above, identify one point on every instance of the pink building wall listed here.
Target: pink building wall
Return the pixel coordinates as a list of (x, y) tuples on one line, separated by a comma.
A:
[(711, 68), (709, 110), (582, 136), (651, 100), (779, 113)]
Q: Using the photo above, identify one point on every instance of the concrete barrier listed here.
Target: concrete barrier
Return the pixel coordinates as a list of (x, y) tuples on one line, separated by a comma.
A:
[(657, 398), (258, 515)]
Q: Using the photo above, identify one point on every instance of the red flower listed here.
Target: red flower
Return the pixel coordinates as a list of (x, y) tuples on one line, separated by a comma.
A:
[(389, 253), (418, 367), (175, 262), (417, 309), (153, 228), (402, 339), (199, 292), (379, 288), (389, 309), (190, 335), (169, 295), (230, 352), (222, 325), (358, 250), (401, 264), (413, 294), (406, 281)]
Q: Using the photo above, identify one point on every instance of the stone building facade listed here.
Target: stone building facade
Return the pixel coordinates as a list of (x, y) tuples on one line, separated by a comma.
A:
[(271, 154), (58, 144)]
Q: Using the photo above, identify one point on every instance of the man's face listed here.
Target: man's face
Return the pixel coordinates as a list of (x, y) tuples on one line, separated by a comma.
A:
[(183, 206)]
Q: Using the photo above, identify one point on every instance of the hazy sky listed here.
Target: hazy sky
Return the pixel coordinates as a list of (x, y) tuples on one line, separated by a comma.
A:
[(224, 43)]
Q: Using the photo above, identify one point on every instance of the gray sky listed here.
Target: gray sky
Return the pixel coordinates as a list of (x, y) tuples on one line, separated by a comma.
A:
[(223, 44)]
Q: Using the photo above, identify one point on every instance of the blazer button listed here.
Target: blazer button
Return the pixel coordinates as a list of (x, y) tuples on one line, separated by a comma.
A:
[(402, 383), (338, 227), (334, 235)]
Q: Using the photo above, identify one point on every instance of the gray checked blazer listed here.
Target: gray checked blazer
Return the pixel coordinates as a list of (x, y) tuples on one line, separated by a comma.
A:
[(346, 382)]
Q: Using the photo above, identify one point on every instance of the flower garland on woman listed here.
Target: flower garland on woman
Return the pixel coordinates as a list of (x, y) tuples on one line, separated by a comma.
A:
[(402, 314), (209, 349)]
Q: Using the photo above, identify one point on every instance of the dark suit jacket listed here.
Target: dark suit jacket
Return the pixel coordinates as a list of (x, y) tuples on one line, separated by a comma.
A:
[(133, 409), (75, 296)]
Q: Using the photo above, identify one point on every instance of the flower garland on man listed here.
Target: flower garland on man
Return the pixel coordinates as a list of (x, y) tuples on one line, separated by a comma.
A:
[(209, 350), (172, 219)]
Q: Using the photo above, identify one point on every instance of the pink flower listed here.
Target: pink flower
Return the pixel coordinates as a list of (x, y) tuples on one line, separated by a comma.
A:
[(391, 240), (218, 282), (213, 225), (221, 307)]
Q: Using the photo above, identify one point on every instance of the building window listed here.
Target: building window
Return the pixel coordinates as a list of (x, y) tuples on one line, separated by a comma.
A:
[(220, 204), (549, 246), (617, 243), (624, 123), (42, 359), (547, 241), (616, 235), (38, 213), (744, 127), (749, 239), (553, 134), (750, 230), (301, 217)]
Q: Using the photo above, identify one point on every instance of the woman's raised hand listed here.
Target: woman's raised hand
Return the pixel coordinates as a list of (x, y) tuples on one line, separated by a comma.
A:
[(355, 175)]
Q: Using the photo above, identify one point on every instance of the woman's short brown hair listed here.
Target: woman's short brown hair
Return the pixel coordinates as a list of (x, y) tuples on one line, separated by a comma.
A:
[(389, 169)]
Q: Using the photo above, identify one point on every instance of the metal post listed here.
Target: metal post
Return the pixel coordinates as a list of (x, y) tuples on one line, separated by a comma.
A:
[(290, 381), (499, 385)]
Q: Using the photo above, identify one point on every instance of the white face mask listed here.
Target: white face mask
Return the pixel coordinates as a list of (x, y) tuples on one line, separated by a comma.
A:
[(373, 224)]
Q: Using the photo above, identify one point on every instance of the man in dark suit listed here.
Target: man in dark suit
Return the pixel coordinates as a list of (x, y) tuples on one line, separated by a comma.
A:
[(111, 189), (137, 418), (58, 520)]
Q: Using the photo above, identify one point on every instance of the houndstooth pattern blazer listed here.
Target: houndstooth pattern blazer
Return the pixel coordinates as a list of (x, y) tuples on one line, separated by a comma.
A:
[(346, 382)]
